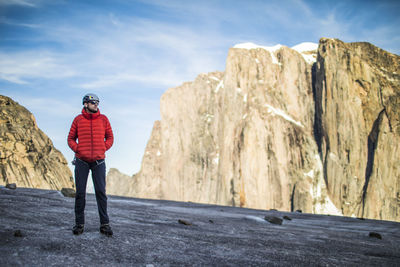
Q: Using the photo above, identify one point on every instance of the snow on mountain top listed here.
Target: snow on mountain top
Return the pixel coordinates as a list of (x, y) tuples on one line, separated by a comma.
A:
[(302, 47), (306, 46), (254, 46)]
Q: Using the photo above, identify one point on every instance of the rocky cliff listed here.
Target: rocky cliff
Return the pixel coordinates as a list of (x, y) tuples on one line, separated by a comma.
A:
[(283, 128), (357, 100), (27, 156)]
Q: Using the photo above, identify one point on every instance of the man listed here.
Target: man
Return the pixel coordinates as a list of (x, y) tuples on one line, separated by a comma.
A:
[(95, 137)]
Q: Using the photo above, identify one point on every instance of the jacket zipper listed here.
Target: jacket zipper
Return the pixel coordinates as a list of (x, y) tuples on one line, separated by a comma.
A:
[(91, 135)]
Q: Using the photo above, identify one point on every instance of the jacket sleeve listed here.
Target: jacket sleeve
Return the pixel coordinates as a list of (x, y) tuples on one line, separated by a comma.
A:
[(109, 136), (73, 135)]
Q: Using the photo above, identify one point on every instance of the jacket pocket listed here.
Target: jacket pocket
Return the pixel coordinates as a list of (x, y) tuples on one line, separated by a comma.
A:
[(104, 147)]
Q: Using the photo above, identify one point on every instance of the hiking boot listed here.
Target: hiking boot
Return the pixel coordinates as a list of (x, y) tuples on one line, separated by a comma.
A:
[(105, 229), (78, 229)]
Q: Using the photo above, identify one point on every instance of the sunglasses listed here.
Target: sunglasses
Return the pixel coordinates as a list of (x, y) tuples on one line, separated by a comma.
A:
[(94, 102)]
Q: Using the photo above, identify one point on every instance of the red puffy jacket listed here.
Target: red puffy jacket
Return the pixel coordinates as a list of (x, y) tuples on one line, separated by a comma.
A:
[(94, 135)]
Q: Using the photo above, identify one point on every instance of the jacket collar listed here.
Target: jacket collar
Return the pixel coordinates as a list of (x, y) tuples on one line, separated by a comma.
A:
[(90, 115)]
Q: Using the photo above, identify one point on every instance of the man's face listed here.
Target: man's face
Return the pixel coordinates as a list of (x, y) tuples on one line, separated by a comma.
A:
[(92, 106)]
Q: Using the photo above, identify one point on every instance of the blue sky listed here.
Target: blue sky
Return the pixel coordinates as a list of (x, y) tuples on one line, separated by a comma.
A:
[(129, 53)]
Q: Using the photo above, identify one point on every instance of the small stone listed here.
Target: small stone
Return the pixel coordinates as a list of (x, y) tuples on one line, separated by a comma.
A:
[(376, 235), (287, 218), (18, 233), (68, 192), (184, 222), (273, 220), (11, 186), (211, 221)]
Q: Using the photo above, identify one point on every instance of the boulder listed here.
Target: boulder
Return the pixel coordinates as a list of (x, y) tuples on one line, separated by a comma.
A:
[(68, 192)]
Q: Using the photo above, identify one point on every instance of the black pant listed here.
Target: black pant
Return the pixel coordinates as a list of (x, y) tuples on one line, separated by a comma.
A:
[(98, 169)]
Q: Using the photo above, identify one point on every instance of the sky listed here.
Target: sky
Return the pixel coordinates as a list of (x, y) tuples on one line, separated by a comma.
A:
[(53, 52)]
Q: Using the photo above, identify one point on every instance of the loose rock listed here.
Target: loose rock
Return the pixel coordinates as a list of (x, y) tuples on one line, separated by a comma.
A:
[(68, 192), (184, 222), (11, 186), (287, 218), (274, 220), (376, 235), (18, 233)]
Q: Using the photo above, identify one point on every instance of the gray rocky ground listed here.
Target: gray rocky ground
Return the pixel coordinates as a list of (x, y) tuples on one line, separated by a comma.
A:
[(35, 230)]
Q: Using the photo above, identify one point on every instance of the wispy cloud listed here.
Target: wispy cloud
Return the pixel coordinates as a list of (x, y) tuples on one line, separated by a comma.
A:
[(123, 78), (12, 78), (4, 20), (112, 49), (18, 67), (28, 3), (117, 51)]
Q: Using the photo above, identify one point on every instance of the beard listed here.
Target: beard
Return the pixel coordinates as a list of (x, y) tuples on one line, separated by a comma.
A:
[(92, 110)]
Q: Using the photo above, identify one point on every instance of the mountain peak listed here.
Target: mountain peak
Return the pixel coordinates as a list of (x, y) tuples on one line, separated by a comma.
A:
[(306, 46)]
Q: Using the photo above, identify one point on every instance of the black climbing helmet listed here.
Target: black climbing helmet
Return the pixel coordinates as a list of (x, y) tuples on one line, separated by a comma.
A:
[(90, 97)]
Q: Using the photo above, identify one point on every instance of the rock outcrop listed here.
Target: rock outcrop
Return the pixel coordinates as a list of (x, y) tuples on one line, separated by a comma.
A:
[(27, 156), (117, 183), (280, 129)]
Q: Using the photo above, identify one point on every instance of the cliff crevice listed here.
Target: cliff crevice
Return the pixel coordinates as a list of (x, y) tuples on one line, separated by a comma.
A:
[(372, 144)]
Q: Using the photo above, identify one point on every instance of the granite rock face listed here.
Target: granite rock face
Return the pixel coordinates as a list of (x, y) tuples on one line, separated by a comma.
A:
[(27, 156), (357, 123), (123, 185), (277, 130), (119, 183)]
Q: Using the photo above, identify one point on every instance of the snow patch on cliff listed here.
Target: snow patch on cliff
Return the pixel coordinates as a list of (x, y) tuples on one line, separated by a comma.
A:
[(216, 159), (310, 58), (306, 49), (310, 174), (214, 78), (281, 113), (271, 49), (220, 85), (323, 204)]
